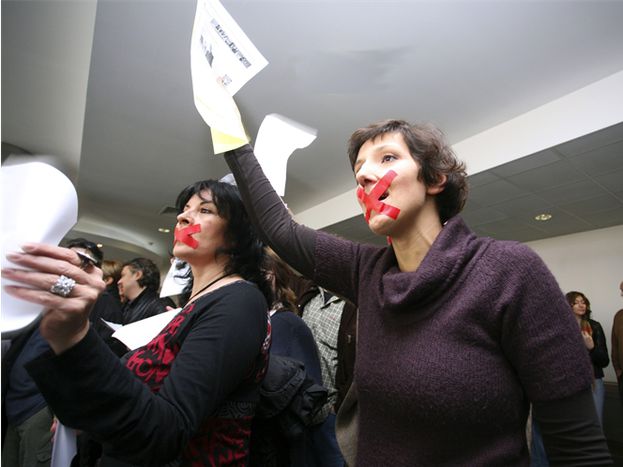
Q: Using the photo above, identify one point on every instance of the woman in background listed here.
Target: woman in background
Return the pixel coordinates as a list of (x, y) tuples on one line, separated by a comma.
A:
[(292, 338), (595, 342), (111, 273)]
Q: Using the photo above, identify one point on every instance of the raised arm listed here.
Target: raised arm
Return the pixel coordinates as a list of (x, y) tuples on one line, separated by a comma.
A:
[(293, 242)]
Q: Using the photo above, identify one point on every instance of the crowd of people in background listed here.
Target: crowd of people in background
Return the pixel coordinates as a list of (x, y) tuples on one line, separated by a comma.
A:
[(441, 343)]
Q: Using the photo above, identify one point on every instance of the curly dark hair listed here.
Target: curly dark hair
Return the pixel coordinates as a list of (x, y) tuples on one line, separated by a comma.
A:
[(245, 250), (429, 149)]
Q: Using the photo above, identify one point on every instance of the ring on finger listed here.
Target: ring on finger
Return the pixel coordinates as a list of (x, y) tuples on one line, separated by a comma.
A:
[(63, 286)]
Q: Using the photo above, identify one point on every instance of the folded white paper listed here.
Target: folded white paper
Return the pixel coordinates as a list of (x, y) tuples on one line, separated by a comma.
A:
[(111, 325), (276, 140), (222, 60), (39, 204), (65, 447), (140, 333)]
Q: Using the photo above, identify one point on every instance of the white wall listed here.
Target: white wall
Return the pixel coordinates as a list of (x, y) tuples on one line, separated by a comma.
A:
[(592, 263)]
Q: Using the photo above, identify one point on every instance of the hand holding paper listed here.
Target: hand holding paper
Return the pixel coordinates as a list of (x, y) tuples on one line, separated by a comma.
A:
[(222, 60)]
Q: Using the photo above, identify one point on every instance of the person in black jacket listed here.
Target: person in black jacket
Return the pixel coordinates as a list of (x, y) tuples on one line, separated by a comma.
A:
[(595, 342), (26, 418), (293, 339), (139, 283)]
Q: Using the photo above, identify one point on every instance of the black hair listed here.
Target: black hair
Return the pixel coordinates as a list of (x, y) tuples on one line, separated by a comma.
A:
[(244, 248), (151, 274), (88, 245)]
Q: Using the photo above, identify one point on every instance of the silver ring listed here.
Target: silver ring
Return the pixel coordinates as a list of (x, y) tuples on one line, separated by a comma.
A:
[(63, 286)]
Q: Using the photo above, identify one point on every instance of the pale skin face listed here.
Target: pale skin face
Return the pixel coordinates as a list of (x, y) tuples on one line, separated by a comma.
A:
[(579, 311), (128, 283), (418, 222), (579, 307), (200, 210)]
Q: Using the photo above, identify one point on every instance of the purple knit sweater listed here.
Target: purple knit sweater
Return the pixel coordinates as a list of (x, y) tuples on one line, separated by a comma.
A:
[(448, 356)]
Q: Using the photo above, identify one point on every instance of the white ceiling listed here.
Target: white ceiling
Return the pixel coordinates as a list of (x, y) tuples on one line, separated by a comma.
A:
[(106, 88)]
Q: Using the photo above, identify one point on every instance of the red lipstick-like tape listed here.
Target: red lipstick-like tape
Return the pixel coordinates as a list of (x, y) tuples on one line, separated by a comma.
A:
[(184, 235), (371, 200)]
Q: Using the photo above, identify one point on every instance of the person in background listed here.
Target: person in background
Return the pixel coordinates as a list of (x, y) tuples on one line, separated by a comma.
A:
[(187, 397), (106, 308), (26, 417), (617, 346), (457, 334), (139, 284), (595, 343), (328, 317), (111, 271), (292, 338)]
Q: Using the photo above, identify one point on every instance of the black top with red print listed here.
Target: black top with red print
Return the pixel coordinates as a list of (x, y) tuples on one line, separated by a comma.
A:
[(189, 395)]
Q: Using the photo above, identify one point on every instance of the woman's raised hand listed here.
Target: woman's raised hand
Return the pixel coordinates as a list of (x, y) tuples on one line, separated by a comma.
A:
[(588, 340), (64, 283)]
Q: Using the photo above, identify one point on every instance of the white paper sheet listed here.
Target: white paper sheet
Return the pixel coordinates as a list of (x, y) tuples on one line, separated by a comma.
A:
[(64, 448), (222, 60), (111, 325), (173, 284), (139, 333), (276, 140), (39, 204)]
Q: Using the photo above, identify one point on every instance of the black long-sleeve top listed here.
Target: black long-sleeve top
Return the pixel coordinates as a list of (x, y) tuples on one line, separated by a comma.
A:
[(599, 353), (188, 395)]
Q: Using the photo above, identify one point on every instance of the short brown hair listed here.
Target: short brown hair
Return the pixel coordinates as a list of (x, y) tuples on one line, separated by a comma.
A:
[(428, 148)]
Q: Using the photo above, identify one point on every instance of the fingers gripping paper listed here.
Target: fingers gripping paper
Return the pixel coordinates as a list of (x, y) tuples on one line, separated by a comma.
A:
[(222, 60)]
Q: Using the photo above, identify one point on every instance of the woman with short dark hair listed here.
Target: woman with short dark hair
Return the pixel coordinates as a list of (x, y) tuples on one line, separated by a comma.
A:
[(457, 334)]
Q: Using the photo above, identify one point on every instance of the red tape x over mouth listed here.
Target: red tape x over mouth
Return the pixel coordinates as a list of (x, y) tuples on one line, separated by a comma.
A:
[(371, 200), (184, 235)]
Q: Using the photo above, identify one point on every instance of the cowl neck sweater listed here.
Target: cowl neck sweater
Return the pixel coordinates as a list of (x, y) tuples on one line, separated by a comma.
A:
[(448, 355)]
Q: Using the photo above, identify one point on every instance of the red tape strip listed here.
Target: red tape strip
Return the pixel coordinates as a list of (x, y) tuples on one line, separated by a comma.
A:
[(371, 200), (184, 235)]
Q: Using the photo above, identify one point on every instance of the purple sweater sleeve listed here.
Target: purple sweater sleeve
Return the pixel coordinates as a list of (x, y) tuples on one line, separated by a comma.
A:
[(293, 242)]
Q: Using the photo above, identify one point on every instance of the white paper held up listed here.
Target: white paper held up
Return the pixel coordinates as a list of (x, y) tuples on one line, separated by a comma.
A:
[(276, 140), (222, 60), (39, 204)]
